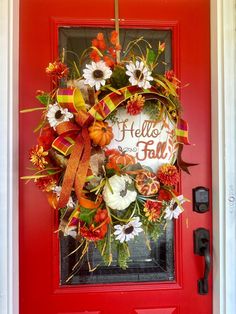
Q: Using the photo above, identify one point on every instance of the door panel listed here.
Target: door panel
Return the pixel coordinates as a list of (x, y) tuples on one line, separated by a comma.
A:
[(40, 291)]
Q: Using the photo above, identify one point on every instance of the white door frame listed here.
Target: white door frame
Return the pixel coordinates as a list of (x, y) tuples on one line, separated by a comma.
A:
[(223, 86), (223, 62)]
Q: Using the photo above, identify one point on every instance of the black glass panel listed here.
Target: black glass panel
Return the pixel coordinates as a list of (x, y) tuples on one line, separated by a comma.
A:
[(75, 40), (153, 263)]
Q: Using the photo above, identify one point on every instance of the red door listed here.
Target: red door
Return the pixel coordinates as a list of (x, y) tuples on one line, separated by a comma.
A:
[(42, 290)]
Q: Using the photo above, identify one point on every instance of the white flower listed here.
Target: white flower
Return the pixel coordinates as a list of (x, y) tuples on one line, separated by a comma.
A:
[(57, 190), (71, 231), (117, 194), (174, 210), (96, 74), (128, 231), (57, 115), (139, 74)]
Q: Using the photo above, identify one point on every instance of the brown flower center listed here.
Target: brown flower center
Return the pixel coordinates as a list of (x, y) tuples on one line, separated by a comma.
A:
[(138, 75), (174, 206), (97, 74), (129, 230), (58, 115)]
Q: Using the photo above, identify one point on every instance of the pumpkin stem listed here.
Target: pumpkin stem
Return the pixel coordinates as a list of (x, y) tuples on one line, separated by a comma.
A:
[(122, 151)]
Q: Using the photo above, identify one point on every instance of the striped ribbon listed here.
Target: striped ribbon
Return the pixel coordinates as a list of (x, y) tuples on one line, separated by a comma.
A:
[(71, 98), (181, 132)]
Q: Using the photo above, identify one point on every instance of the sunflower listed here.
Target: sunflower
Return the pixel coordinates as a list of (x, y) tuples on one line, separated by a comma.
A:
[(57, 115), (128, 231), (139, 74), (96, 74), (175, 208)]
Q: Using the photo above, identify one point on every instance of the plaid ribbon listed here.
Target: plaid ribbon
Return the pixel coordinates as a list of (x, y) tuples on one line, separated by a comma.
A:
[(71, 98), (104, 107), (181, 132)]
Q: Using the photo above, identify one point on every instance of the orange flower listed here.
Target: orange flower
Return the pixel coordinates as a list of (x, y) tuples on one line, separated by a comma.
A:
[(135, 104), (38, 157), (95, 56), (100, 36), (152, 210), (112, 52), (57, 69), (161, 47), (170, 75), (164, 195), (168, 175), (46, 184), (109, 61), (99, 42), (46, 138), (114, 36)]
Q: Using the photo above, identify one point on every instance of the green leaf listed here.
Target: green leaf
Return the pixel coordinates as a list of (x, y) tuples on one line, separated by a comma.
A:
[(44, 98), (151, 56), (87, 215), (123, 255)]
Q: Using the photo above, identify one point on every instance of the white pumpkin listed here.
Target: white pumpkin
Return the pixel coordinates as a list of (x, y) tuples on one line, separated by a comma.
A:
[(116, 194)]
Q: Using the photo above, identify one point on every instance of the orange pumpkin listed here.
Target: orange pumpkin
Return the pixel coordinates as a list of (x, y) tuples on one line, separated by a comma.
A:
[(100, 133), (122, 159)]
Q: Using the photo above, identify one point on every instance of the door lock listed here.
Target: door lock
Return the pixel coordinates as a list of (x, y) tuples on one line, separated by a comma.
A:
[(200, 199), (202, 248)]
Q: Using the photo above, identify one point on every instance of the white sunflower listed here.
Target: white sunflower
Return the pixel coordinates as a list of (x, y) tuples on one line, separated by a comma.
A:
[(139, 74), (118, 193), (57, 190), (173, 210), (57, 115), (96, 74), (128, 231)]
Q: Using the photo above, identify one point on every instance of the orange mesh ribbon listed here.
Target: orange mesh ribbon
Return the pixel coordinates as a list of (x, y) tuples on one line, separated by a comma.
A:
[(81, 173), (71, 171)]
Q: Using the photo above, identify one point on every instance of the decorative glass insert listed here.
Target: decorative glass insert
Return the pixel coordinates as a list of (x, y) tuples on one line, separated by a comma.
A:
[(148, 263)]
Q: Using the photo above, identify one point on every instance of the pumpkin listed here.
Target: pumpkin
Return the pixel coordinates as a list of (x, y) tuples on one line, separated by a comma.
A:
[(116, 192), (122, 159), (117, 158), (100, 133), (147, 183)]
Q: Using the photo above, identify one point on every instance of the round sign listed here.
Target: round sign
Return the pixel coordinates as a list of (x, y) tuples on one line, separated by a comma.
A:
[(152, 143)]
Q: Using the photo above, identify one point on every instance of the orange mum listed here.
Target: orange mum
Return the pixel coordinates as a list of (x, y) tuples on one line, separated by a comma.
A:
[(38, 157), (152, 210), (168, 175)]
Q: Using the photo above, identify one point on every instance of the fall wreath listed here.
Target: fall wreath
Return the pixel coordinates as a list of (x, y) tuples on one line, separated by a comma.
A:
[(109, 147)]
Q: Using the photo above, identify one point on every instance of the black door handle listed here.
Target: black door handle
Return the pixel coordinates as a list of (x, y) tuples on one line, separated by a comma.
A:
[(202, 248)]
